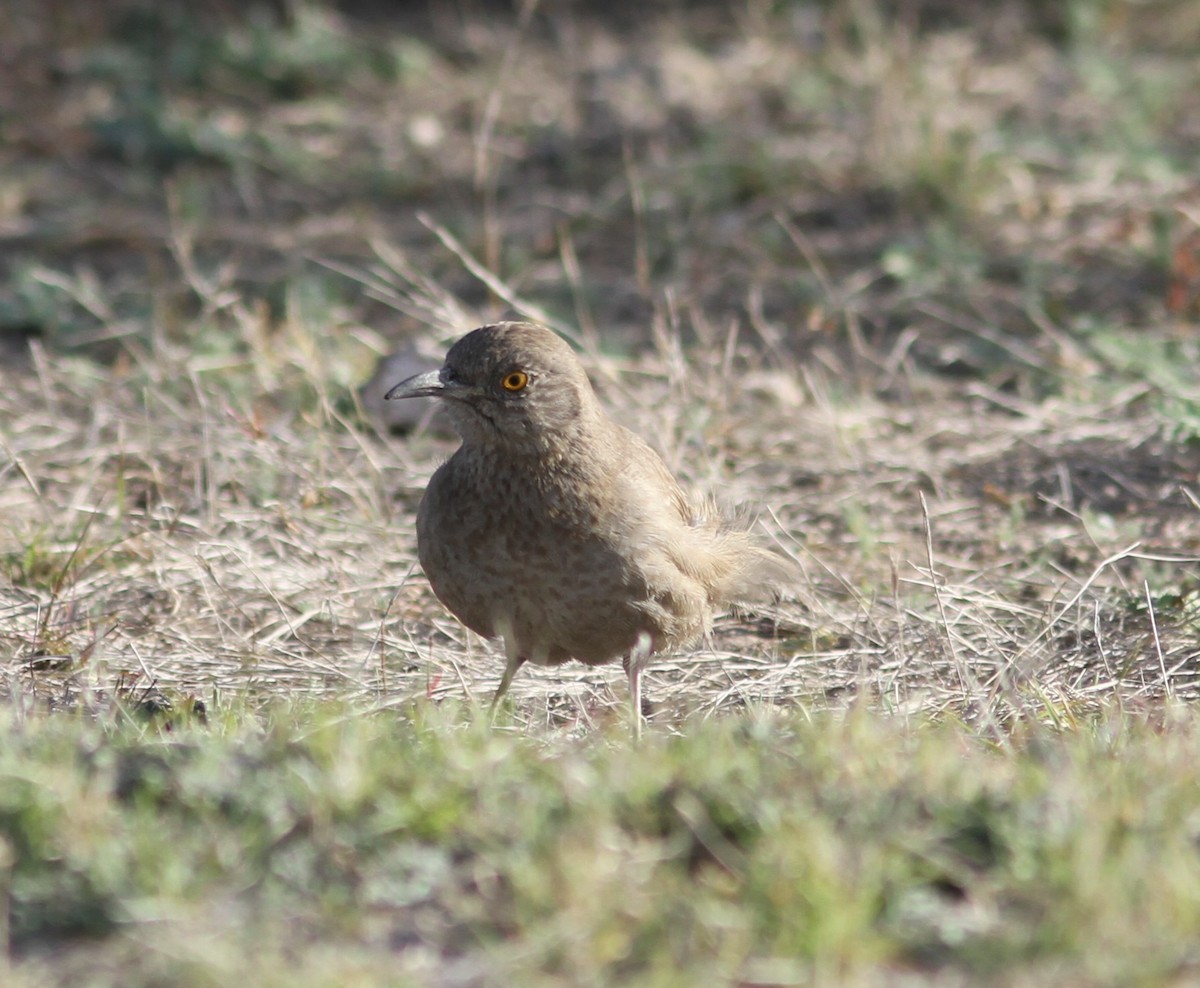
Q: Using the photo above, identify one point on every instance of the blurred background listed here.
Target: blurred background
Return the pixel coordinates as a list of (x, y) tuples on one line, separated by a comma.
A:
[(1005, 191)]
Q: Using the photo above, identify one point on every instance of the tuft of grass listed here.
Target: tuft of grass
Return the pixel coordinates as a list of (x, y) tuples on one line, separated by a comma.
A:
[(1162, 365)]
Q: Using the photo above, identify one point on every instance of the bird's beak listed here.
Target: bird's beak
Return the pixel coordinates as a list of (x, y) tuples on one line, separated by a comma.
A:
[(427, 385)]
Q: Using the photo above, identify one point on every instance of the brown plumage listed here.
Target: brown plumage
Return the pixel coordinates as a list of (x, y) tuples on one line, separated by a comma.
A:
[(559, 530)]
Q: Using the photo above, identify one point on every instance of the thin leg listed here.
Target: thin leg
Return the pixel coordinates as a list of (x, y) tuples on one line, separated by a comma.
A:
[(635, 694), (510, 670), (634, 663), (515, 661)]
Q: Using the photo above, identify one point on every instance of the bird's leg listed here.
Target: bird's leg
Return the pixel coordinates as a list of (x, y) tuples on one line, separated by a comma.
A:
[(514, 662), (637, 660), (510, 669)]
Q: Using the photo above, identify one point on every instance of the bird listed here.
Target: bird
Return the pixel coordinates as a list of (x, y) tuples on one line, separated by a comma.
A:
[(560, 531)]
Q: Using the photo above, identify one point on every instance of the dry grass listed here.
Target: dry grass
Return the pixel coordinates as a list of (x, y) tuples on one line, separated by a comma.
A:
[(964, 560), (913, 289)]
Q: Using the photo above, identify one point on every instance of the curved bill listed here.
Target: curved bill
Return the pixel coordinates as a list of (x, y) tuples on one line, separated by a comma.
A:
[(427, 385)]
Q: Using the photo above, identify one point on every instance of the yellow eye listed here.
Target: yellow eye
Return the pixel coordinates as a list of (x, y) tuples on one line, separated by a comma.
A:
[(515, 381)]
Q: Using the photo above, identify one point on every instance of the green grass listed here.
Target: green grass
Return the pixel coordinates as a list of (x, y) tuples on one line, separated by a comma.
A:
[(312, 845)]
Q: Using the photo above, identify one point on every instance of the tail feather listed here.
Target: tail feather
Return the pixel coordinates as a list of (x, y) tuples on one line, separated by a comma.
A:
[(732, 567), (747, 573)]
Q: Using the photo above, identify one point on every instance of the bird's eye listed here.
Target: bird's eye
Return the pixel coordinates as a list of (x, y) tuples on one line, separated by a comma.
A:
[(515, 381)]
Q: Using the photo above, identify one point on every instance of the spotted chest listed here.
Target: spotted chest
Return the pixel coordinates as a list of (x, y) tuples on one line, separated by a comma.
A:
[(508, 554)]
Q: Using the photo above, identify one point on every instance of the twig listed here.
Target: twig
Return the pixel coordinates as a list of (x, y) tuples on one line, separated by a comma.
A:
[(378, 639), (493, 283), (937, 593), (1095, 575), (1162, 663)]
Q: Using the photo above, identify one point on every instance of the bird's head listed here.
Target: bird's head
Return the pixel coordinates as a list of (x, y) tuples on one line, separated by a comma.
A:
[(515, 385)]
